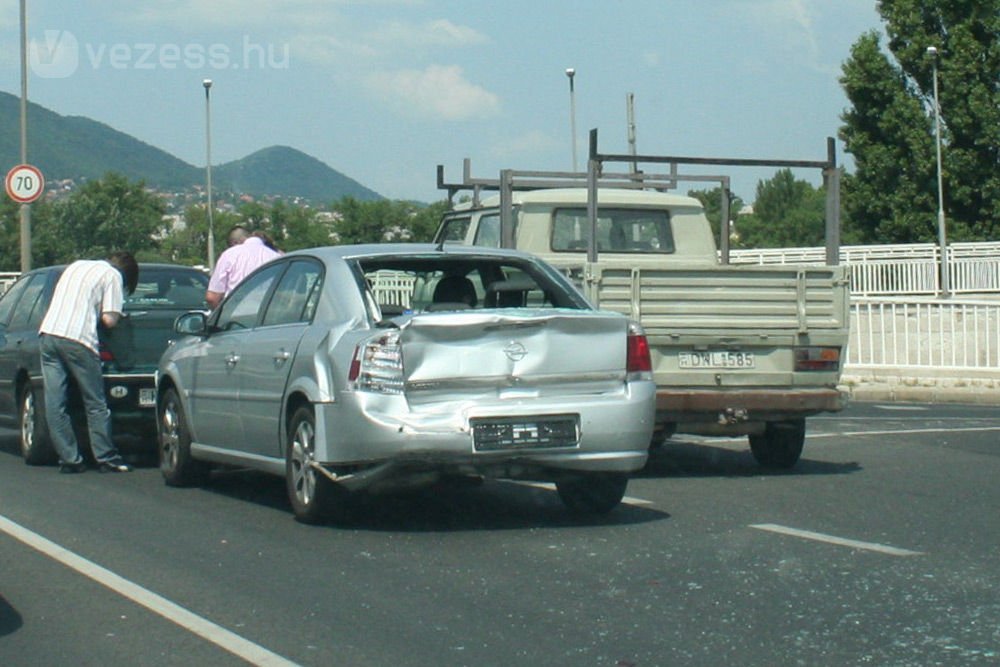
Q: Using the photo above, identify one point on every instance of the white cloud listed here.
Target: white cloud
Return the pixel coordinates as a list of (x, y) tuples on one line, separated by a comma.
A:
[(435, 92), (440, 32)]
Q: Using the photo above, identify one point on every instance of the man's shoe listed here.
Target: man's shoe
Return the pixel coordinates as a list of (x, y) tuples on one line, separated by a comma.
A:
[(72, 468), (117, 466)]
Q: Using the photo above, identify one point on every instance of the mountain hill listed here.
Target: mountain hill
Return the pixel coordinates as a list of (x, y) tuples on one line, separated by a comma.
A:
[(75, 147)]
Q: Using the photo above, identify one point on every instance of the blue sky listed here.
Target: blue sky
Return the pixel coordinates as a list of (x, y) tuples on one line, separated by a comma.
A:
[(385, 90)]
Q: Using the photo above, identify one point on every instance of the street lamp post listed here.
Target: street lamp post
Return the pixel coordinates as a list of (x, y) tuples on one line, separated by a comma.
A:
[(208, 171), (570, 72), (942, 238)]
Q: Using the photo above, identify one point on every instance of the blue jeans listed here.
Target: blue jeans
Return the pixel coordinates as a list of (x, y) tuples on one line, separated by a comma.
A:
[(62, 358)]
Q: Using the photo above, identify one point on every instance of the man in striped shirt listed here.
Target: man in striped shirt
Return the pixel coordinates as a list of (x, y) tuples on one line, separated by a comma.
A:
[(89, 293)]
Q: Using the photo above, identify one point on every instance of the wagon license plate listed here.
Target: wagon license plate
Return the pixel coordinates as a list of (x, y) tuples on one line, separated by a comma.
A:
[(147, 398), (718, 359)]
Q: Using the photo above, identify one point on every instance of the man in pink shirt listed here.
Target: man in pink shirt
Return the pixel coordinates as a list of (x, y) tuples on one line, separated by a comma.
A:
[(244, 254)]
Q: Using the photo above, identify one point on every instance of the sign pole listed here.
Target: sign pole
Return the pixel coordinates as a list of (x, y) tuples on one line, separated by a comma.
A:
[(26, 206)]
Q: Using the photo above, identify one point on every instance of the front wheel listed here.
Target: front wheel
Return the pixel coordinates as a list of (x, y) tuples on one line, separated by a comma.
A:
[(313, 497), (36, 446), (593, 493), (780, 445), (176, 463)]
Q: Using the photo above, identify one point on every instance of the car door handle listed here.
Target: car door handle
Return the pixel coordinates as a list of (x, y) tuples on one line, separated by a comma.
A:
[(232, 359), (281, 356)]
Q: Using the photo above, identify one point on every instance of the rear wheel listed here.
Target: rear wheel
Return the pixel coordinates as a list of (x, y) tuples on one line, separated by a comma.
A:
[(36, 446), (780, 445), (174, 444), (593, 493), (312, 495)]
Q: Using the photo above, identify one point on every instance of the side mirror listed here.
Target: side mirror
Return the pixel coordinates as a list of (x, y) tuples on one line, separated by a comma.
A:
[(191, 324)]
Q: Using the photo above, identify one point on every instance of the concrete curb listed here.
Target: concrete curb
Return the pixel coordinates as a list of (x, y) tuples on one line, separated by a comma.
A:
[(978, 391)]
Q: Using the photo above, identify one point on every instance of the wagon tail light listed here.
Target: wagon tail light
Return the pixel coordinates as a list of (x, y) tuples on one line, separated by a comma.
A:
[(105, 354), (638, 364), (377, 365), (817, 359)]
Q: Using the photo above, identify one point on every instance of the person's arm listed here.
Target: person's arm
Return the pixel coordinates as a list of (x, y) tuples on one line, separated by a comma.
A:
[(110, 319), (213, 298)]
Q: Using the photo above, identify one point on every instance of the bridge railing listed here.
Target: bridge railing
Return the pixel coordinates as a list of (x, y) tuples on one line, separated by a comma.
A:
[(909, 269), (952, 336)]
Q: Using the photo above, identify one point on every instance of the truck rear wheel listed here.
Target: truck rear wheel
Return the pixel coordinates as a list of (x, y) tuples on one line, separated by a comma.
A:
[(780, 445)]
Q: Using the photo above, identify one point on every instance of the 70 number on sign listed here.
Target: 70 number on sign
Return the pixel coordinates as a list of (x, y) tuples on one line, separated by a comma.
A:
[(24, 183)]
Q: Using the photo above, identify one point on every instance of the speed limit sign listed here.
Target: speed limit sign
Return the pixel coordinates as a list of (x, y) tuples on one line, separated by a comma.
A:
[(24, 183)]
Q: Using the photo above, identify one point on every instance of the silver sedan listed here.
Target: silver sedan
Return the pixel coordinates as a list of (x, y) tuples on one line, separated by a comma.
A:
[(365, 368)]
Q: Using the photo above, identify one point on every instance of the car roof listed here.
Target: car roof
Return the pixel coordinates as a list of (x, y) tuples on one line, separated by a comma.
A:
[(448, 251)]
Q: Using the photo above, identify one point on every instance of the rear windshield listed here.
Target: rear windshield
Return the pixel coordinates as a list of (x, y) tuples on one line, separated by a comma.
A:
[(169, 288), (633, 230), (441, 283)]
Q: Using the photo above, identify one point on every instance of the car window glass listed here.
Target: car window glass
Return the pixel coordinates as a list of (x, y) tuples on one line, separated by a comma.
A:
[(455, 229), (618, 230), (30, 310), (241, 309), (11, 297), (488, 233), (292, 295), (168, 287)]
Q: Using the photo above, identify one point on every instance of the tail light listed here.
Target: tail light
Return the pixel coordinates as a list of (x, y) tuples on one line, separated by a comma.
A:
[(817, 358), (638, 363), (105, 354), (377, 365)]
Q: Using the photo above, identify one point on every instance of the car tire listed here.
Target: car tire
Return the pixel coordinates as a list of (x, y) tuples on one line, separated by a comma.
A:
[(36, 445), (592, 493), (314, 498), (177, 465), (780, 445)]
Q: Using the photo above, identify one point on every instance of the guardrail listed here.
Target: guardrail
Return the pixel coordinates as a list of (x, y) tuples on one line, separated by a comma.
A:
[(908, 269), (955, 337)]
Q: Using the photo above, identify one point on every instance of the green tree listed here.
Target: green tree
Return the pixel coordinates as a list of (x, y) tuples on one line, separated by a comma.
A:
[(787, 213), (712, 201), (889, 127), (102, 216), (10, 231), (384, 221), (188, 244)]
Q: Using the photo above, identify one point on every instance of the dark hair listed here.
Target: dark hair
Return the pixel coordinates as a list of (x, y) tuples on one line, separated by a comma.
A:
[(266, 238), (127, 266)]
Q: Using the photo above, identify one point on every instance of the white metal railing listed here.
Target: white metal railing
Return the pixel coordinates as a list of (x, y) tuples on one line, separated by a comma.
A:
[(945, 335), (392, 288), (906, 269), (7, 279)]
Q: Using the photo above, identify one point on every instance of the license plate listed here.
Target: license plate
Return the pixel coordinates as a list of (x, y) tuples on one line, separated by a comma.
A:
[(718, 359), (524, 432), (147, 398)]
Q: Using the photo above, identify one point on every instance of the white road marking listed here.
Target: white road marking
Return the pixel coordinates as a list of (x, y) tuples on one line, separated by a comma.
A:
[(243, 648), (968, 429), (832, 539)]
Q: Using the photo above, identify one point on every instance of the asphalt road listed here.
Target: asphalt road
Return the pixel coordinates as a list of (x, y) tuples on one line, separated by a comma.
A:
[(880, 548)]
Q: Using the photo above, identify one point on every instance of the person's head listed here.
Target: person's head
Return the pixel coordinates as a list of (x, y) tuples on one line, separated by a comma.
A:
[(127, 266), (237, 235)]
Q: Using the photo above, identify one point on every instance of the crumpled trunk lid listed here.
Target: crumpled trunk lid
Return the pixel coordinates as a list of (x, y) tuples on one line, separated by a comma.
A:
[(522, 350)]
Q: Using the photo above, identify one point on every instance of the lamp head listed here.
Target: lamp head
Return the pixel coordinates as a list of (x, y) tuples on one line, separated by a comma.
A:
[(570, 72), (932, 51), (207, 83)]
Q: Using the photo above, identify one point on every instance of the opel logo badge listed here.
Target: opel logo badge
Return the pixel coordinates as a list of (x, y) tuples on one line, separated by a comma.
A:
[(514, 351)]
